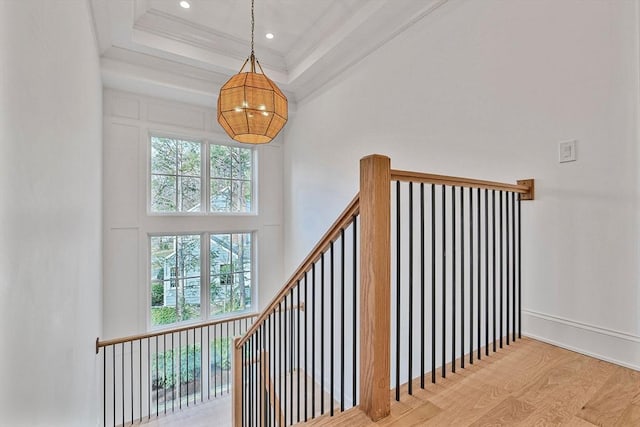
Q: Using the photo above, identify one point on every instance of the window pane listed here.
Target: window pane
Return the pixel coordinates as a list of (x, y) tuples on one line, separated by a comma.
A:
[(189, 194), (220, 195), (163, 193), (230, 272), (220, 252), (176, 175), (241, 196), (231, 175), (163, 155), (241, 252), (188, 256), (220, 161), (175, 279), (241, 163), (189, 158)]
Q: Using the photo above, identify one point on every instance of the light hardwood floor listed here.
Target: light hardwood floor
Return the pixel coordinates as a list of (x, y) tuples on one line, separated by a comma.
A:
[(529, 383)]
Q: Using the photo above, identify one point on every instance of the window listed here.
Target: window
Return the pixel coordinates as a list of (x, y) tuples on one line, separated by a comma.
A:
[(192, 176), (231, 170), (199, 276), (230, 272), (175, 175)]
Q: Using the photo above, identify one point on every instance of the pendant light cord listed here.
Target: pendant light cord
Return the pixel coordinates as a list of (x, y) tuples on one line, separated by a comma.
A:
[(253, 25)]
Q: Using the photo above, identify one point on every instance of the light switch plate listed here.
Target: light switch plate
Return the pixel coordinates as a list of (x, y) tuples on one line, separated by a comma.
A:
[(567, 151)]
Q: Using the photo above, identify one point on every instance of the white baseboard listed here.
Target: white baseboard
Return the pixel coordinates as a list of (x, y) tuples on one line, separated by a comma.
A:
[(606, 344)]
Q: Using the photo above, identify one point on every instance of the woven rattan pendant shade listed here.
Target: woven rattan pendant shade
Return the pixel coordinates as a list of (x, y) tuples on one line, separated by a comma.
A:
[(251, 108)]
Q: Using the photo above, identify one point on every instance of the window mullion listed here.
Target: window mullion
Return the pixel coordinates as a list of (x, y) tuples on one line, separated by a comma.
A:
[(205, 268), (204, 174)]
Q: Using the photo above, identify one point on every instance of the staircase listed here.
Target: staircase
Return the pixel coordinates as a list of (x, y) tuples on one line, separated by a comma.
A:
[(420, 271)]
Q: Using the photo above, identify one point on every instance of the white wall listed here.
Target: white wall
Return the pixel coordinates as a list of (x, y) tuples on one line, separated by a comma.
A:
[(129, 119), (487, 89), (50, 213)]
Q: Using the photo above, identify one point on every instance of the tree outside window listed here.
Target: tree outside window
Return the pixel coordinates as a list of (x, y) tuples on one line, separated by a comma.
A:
[(176, 276), (177, 177)]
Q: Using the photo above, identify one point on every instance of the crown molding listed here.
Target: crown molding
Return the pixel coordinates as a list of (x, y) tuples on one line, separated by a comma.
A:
[(381, 22), (185, 32), (137, 72), (146, 44)]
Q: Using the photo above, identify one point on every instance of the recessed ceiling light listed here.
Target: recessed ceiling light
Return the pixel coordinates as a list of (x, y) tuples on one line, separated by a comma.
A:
[(185, 4), (269, 36)]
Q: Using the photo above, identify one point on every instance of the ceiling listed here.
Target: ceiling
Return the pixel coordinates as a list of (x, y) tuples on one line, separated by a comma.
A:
[(158, 48)]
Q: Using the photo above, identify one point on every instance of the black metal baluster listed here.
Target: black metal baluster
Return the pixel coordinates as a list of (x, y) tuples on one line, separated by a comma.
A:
[(313, 337), (422, 311), (186, 335), (313, 413), (331, 327), (194, 365), (471, 275), (493, 261), (433, 283), (104, 386), (131, 376), (508, 270), (462, 277), (486, 271), (519, 270), (444, 283), (298, 340), (307, 307), (164, 369), (251, 388), (157, 388), (201, 378), (398, 251), (479, 276), (140, 373), (228, 353), (287, 357), (113, 356), (258, 381), (501, 269), (355, 311), (410, 292), (291, 353), (261, 371), (243, 395), (281, 364), (342, 307), (122, 374), (149, 378), (272, 361), (453, 279), (173, 382), (249, 367), (272, 364), (209, 363), (513, 260)]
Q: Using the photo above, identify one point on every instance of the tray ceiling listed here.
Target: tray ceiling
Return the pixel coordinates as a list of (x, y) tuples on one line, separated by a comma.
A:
[(158, 48)]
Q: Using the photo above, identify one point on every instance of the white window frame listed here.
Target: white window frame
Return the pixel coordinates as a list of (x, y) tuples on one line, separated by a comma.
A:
[(205, 278), (205, 177)]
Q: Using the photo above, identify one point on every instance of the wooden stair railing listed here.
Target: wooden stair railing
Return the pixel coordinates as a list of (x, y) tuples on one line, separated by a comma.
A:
[(371, 305)]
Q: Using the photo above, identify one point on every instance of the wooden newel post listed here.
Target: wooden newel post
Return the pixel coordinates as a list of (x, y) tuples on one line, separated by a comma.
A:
[(237, 384), (375, 282)]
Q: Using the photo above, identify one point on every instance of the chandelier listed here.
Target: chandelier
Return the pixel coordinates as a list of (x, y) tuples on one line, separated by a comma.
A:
[(251, 108)]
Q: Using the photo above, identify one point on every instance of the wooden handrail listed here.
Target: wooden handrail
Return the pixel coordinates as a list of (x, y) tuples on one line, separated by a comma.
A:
[(334, 231), (130, 338), (400, 175)]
